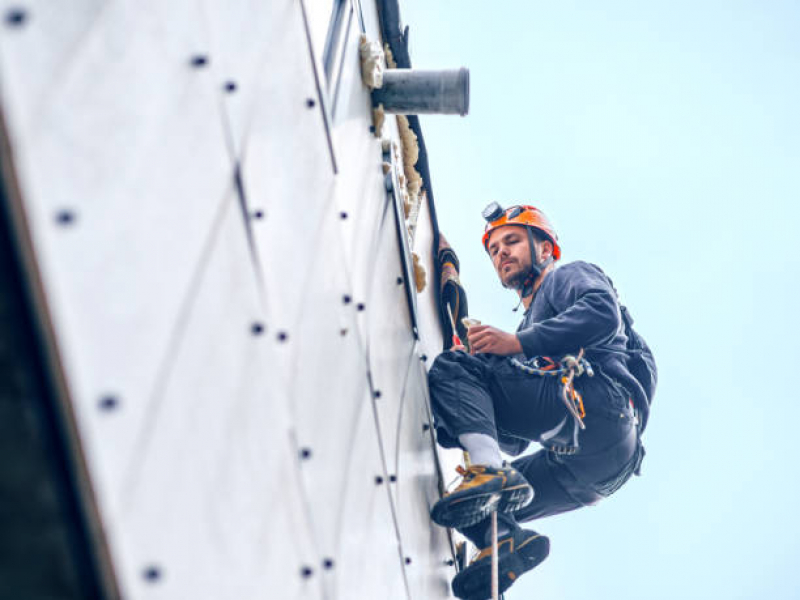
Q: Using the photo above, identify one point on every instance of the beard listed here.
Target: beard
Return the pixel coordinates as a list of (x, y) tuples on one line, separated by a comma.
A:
[(516, 281)]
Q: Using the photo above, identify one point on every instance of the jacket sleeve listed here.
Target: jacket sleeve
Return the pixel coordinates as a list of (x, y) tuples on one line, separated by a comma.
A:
[(587, 313)]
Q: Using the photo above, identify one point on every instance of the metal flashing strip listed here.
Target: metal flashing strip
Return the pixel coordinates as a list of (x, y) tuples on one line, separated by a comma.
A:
[(392, 185), (333, 42), (322, 96), (397, 39), (336, 75)]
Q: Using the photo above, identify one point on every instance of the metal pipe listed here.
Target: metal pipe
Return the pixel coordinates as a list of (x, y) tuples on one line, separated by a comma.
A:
[(418, 92)]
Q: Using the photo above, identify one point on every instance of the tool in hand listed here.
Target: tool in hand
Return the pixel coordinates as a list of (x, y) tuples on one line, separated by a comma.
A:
[(469, 322)]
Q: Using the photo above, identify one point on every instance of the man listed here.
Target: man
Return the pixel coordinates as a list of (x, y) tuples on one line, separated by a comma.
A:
[(501, 394)]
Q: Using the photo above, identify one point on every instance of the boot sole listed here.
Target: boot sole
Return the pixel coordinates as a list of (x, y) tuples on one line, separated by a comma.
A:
[(472, 509), (463, 512), (475, 582), (516, 498)]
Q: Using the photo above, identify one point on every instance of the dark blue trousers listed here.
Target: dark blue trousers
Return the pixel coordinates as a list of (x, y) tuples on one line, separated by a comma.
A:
[(487, 394)]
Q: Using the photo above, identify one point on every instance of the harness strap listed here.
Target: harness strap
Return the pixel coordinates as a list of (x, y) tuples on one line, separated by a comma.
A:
[(566, 369)]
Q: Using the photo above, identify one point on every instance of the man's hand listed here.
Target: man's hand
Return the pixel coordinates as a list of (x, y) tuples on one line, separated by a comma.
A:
[(490, 340)]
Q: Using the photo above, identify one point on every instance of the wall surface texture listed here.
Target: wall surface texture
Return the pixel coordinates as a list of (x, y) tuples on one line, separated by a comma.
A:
[(221, 266)]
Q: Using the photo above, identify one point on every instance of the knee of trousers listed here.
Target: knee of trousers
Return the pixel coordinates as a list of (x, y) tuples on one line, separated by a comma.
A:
[(452, 374), (460, 401)]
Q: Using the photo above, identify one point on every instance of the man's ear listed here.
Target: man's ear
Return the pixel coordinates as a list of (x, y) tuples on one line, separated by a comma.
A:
[(546, 249)]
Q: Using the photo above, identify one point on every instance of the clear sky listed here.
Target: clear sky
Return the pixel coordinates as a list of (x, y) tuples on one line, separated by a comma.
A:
[(663, 140)]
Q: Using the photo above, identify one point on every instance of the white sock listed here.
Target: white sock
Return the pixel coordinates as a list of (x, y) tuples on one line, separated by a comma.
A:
[(483, 449)]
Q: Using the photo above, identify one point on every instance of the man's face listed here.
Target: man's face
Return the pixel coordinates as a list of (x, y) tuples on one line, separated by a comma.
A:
[(510, 253)]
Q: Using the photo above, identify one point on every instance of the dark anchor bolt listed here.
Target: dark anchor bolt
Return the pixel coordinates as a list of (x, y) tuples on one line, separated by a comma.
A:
[(346, 299), (199, 60), (65, 217), (399, 281), (259, 214), (230, 86), (361, 306), (283, 336), (376, 394), (306, 572), (417, 92), (152, 574), (408, 560), (327, 563), (378, 480), (393, 478), (257, 328), (425, 427), (311, 103), (305, 453), (108, 403), (342, 215), (16, 17)]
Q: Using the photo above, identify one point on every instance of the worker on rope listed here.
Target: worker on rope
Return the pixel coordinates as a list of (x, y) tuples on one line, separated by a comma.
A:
[(575, 377)]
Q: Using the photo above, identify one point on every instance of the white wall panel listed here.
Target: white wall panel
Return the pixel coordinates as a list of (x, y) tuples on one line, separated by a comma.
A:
[(286, 163), (360, 190), (416, 490), (326, 381), (214, 502), (368, 559), (390, 340), (227, 458), (127, 143), (52, 41), (260, 62)]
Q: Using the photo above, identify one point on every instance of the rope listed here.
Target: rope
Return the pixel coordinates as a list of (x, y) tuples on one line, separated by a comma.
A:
[(495, 560)]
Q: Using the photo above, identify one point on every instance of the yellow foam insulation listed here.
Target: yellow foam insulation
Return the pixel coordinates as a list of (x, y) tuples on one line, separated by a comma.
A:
[(419, 273), (387, 53), (378, 119), (372, 61), (411, 183)]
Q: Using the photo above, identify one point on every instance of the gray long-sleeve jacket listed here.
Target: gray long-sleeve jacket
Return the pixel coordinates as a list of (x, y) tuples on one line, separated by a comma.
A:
[(577, 307)]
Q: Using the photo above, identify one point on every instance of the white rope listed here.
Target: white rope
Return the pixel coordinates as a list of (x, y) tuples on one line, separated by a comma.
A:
[(495, 560)]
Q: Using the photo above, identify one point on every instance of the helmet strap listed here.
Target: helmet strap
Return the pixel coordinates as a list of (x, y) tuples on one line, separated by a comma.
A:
[(536, 268)]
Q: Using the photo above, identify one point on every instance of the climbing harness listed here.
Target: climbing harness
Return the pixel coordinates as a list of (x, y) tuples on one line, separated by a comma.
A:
[(566, 370)]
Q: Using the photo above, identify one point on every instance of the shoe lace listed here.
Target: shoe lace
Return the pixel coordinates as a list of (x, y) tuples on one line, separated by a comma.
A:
[(464, 474)]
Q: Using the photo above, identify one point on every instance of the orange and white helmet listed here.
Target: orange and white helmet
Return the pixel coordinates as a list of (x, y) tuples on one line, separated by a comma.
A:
[(523, 215)]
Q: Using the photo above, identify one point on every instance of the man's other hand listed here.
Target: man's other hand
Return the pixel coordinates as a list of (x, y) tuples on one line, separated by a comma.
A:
[(490, 340)]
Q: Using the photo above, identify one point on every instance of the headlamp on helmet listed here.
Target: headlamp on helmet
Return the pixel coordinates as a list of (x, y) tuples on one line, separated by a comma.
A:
[(493, 212)]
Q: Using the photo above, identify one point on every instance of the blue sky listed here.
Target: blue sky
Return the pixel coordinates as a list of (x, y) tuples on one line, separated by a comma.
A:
[(663, 140)]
